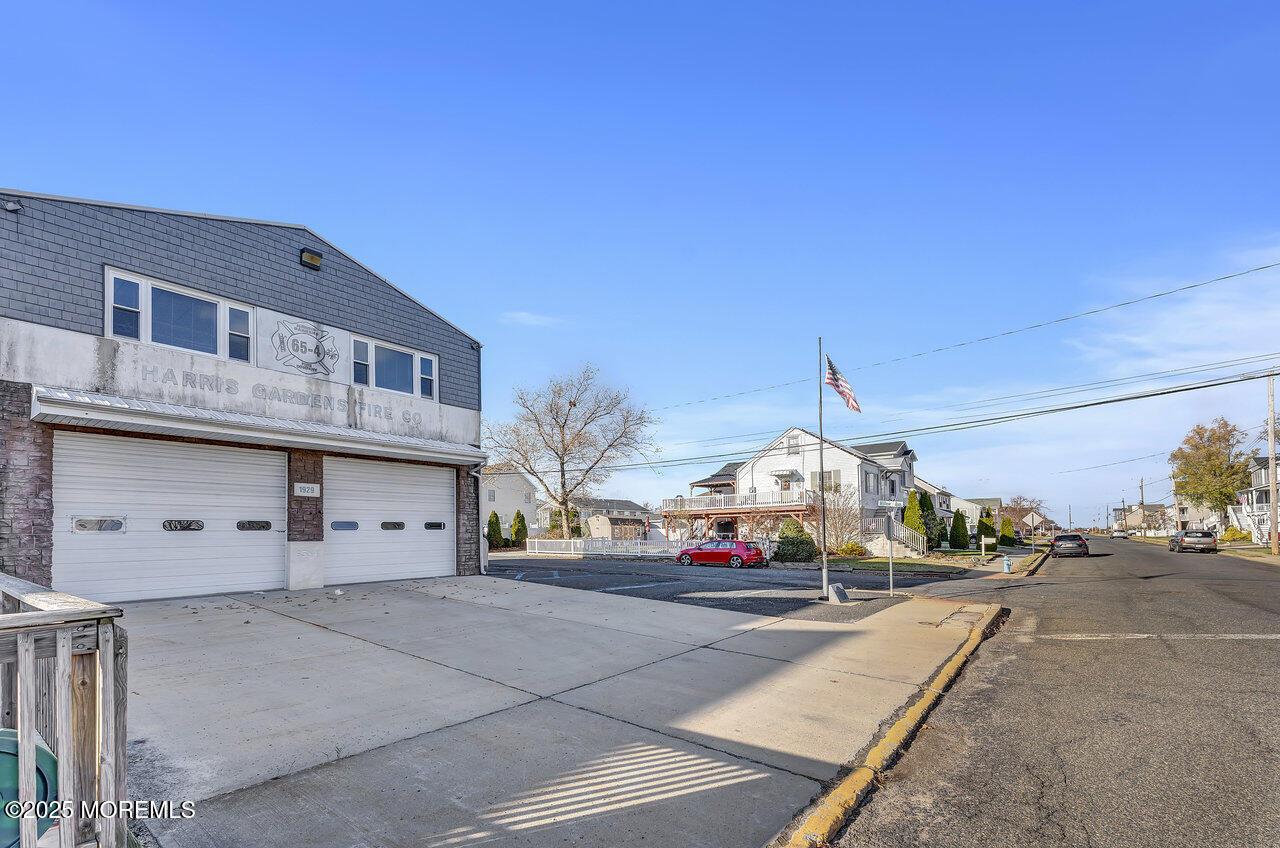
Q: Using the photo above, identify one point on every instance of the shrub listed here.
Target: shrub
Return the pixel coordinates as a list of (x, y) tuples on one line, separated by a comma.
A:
[(852, 549), (913, 517), (935, 528), (1006, 533), (494, 531), (794, 543), (519, 529), (1235, 534), (959, 533)]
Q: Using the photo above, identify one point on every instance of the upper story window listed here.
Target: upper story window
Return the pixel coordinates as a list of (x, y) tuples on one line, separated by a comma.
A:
[(426, 377), (793, 445), (154, 312), (393, 368), (359, 362)]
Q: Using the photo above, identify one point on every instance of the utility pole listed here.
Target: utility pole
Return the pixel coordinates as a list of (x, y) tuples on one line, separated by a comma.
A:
[(1124, 516), (822, 480), (1142, 506), (1271, 462), (1070, 523)]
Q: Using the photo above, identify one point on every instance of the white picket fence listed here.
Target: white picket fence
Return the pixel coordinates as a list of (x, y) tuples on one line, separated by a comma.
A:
[(617, 547)]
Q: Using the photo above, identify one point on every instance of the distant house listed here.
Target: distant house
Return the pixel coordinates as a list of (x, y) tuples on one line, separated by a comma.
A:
[(1151, 517), (1254, 512), (781, 480), (940, 497), (971, 510), (607, 518), (505, 489)]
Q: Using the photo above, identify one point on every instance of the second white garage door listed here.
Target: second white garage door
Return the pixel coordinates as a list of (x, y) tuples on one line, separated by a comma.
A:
[(386, 520)]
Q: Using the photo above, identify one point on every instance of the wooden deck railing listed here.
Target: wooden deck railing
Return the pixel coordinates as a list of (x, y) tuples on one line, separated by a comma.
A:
[(63, 662)]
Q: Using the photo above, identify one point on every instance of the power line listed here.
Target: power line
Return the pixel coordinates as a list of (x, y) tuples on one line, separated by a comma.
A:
[(1008, 417), (1087, 313), (1055, 391)]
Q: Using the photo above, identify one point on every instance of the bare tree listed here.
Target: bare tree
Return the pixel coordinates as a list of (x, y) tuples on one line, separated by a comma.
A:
[(844, 516), (1020, 506), (680, 522), (566, 433)]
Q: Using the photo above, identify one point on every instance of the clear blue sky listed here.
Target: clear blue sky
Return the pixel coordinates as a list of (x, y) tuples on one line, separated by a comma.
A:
[(687, 194)]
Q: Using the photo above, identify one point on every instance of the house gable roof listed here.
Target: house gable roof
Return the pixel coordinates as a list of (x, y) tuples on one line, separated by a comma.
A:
[(728, 473)]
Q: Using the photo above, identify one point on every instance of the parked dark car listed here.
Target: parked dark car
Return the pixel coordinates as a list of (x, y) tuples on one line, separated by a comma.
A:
[(1068, 544), (1193, 540), (730, 552)]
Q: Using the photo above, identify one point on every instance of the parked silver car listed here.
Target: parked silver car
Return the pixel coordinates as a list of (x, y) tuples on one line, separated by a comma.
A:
[(1193, 540)]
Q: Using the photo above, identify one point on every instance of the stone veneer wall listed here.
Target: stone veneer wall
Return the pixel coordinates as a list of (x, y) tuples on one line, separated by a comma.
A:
[(306, 515), (467, 519), (26, 488)]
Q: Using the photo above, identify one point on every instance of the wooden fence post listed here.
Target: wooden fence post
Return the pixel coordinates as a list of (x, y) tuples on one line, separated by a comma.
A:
[(84, 728)]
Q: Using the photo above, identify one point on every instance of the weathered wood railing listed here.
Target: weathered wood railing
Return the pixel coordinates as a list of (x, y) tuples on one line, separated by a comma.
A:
[(62, 680)]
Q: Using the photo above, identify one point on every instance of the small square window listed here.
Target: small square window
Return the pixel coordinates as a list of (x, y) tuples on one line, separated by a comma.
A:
[(125, 314), (238, 334), (360, 362), (426, 377)]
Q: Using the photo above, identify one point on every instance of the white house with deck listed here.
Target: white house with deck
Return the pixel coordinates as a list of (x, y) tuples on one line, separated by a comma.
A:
[(782, 479)]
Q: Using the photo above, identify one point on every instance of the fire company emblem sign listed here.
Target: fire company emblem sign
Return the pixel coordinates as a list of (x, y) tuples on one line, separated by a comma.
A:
[(305, 348)]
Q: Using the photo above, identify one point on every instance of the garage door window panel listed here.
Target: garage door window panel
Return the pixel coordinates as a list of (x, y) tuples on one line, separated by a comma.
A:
[(97, 525), (253, 526), (183, 525), (344, 525)]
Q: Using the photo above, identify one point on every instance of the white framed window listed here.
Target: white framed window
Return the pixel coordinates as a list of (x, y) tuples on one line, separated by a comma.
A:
[(793, 445), (528, 497), (493, 496), (393, 368), (155, 312)]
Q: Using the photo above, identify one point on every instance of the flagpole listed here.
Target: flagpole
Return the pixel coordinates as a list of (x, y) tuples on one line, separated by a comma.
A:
[(822, 477)]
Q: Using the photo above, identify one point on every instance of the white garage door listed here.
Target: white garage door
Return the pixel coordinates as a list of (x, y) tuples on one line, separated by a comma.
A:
[(386, 520), (144, 518)]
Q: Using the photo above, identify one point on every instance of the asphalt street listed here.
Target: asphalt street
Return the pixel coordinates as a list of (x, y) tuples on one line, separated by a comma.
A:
[(1131, 699), (786, 593)]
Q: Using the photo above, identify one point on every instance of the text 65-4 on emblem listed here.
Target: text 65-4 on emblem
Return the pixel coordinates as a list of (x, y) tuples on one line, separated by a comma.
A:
[(305, 347)]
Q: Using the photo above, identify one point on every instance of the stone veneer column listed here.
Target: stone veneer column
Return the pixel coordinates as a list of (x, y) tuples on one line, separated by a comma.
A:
[(306, 522), (26, 488), (467, 522)]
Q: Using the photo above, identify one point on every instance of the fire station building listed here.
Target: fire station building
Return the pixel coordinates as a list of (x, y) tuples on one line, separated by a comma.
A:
[(193, 404)]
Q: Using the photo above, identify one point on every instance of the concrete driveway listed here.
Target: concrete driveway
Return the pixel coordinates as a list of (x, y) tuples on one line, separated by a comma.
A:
[(470, 711)]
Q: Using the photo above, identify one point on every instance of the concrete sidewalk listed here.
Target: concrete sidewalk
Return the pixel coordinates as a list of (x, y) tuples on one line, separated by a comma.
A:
[(469, 711)]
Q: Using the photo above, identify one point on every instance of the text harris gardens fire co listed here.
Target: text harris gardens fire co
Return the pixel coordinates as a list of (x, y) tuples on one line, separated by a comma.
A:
[(262, 391)]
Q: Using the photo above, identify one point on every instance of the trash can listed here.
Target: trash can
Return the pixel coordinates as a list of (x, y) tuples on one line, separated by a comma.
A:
[(46, 784)]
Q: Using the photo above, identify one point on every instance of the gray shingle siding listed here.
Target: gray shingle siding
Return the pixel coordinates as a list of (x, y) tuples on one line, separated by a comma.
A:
[(52, 254)]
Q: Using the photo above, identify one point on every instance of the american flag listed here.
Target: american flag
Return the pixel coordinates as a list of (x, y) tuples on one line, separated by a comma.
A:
[(837, 381)]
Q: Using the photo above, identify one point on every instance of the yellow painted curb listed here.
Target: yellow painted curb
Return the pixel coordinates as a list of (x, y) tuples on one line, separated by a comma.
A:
[(823, 820)]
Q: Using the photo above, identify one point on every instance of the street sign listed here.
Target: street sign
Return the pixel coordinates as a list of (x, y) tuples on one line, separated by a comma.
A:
[(988, 540), (891, 503)]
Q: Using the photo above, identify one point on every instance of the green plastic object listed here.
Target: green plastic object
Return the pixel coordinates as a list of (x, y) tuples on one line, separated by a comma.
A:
[(46, 784)]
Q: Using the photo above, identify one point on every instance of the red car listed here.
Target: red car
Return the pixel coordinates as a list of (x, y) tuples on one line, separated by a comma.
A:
[(729, 552)]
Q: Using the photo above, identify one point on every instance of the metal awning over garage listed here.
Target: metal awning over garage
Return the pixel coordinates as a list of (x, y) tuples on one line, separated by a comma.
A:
[(111, 412)]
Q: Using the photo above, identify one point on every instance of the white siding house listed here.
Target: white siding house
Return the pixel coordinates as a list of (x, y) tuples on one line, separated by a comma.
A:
[(504, 490), (782, 479)]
